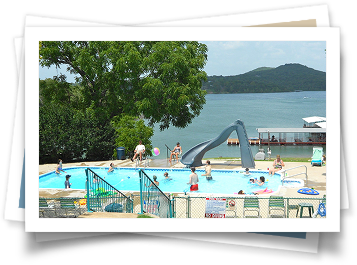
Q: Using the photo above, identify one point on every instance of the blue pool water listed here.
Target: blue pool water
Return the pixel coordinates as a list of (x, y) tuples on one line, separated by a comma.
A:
[(127, 179)]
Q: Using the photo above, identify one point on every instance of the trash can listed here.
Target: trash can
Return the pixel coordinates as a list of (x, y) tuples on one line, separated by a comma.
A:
[(120, 153)]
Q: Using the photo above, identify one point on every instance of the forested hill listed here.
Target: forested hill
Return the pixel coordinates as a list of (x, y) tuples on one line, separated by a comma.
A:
[(285, 78)]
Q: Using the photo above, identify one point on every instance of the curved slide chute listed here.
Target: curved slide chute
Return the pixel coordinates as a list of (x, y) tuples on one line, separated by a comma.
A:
[(193, 157)]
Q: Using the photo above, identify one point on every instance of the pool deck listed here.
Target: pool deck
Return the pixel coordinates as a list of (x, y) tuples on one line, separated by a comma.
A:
[(316, 174)]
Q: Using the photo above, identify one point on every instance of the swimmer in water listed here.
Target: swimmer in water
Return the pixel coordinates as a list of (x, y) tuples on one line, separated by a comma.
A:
[(246, 172), (166, 175), (208, 170), (111, 168), (260, 181), (59, 167)]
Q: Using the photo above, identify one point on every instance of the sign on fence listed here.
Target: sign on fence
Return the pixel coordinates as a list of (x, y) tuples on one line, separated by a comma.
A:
[(151, 206), (215, 208)]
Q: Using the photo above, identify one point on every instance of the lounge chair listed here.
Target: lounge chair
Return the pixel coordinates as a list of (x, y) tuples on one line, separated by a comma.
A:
[(44, 207), (251, 204), (276, 203), (317, 156), (68, 204)]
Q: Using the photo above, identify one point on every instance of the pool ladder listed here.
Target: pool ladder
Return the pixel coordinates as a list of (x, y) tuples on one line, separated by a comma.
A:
[(302, 173), (145, 160)]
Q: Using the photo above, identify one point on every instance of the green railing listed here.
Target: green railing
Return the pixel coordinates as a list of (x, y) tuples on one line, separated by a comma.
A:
[(103, 197), (152, 199)]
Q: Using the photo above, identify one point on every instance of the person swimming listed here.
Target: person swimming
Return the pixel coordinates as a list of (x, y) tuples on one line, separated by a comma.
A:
[(208, 170), (260, 181), (246, 173), (166, 175)]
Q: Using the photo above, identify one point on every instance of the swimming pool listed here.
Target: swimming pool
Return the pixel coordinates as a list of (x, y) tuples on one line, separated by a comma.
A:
[(127, 179)]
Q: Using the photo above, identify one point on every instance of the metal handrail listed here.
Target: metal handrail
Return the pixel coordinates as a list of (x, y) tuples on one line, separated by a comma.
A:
[(167, 148), (302, 173), (106, 193), (145, 160), (150, 192)]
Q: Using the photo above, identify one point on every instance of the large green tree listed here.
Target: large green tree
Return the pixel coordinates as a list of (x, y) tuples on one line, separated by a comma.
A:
[(161, 81), (66, 132)]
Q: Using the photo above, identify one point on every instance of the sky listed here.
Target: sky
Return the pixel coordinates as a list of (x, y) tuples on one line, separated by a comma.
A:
[(238, 57)]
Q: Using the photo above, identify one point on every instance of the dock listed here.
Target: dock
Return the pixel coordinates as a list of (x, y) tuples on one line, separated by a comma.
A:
[(235, 141)]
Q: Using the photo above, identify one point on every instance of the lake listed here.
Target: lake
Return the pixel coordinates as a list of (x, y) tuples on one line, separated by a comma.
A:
[(256, 110)]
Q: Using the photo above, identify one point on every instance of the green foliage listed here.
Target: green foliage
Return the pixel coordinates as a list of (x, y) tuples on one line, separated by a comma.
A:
[(285, 78), (68, 132), (129, 131), (117, 81), (159, 80)]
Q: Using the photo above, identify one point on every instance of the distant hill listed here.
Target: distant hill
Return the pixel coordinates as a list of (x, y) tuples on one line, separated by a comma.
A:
[(285, 78)]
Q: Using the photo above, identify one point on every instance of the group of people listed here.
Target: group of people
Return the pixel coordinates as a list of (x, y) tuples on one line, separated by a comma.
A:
[(193, 178), (193, 182), (140, 151), (59, 169), (278, 164), (67, 184)]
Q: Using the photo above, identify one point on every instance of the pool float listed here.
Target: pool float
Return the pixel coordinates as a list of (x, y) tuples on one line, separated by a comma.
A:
[(263, 191), (308, 191)]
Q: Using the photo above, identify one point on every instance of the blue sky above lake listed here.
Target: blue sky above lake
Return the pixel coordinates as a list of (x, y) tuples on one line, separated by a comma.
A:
[(238, 57)]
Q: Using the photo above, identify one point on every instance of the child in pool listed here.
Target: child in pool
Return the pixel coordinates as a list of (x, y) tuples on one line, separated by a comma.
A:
[(111, 168), (67, 185), (260, 181), (166, 175), (247, 172), (59, 167)]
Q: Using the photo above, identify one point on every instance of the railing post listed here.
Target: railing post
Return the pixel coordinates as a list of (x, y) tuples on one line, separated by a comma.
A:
[(173, 206), (188, 207), (307, 185), (87, 183), (141, 191)]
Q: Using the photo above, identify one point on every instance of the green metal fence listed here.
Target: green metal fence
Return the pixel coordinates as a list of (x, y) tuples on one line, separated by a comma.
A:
[(152, 199), (103, 197), (250, 207)]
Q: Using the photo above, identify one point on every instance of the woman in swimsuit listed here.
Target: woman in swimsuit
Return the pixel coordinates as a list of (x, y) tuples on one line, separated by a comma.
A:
[(278, 165), (176, 151)]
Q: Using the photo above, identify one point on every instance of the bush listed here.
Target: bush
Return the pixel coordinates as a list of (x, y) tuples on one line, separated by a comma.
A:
[(73, 136), (129, 131)]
